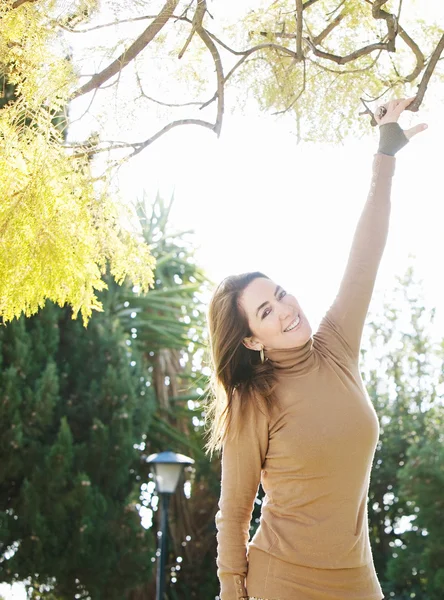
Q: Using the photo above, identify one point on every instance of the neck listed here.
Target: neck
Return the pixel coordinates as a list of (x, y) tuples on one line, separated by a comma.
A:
[(300, 360)]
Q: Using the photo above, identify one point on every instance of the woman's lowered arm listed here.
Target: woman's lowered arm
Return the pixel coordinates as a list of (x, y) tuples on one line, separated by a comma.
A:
[(242, 460)]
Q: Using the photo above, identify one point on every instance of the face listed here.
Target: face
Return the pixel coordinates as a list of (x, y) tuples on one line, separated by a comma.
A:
[(273, 317)]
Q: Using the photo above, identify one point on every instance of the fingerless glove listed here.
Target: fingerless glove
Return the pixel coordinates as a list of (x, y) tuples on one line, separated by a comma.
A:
[(391, 138)]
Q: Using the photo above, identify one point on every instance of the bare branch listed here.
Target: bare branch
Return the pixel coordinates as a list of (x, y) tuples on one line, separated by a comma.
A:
[(317, 39), (168, 104), (391, 20), (138, 146), (321, 37), (299, 28), (420, 60), (249, 51), (368, 111), (86, 110), (378, 13), (342, 60), (245, 54), (141, 146), (136, 47), (114, 23), (18, 3), (197, 21), (422, 87), (304, 46), (328, 14), (347, 71), (219, 72), (427, 75)]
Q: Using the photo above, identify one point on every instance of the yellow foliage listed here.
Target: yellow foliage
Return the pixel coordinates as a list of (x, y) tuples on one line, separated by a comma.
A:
[(57, 233), (56, 236)]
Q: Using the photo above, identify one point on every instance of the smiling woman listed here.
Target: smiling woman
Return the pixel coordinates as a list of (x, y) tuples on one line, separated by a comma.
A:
[(290, 412), (278, 322)]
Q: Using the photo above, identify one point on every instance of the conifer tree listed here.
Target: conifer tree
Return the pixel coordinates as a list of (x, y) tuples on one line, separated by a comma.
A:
[(73, 404), (402, 370)]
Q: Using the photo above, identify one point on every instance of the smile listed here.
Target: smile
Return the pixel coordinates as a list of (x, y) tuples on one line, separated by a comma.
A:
[(293, 324)]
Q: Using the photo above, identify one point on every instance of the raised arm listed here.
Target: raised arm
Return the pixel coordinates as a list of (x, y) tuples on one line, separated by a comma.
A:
[(348, 312), (242, 460)]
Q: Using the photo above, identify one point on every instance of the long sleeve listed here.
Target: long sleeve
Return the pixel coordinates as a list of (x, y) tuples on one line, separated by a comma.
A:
[(348, 312), (242, 460)]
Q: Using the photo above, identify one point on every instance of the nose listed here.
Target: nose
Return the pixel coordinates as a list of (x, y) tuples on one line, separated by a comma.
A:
[(285, 311)]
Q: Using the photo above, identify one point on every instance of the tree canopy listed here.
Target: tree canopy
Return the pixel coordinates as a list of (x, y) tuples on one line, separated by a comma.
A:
[(133, 71), (59, 228), (323, 62), (81, 409)]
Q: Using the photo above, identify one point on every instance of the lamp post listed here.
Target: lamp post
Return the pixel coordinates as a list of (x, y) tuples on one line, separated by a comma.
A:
[(167, 467)]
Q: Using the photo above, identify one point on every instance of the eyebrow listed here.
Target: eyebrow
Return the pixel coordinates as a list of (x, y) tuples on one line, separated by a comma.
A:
[(276, 291)]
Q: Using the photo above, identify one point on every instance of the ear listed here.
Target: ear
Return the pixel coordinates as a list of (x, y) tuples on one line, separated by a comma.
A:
[(252, 343)]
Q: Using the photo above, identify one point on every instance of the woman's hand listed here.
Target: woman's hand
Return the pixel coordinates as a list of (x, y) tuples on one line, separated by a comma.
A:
[(394, 108), (391, 136)]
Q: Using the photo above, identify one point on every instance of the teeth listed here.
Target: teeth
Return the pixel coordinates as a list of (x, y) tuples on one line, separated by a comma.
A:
[(294, 324)]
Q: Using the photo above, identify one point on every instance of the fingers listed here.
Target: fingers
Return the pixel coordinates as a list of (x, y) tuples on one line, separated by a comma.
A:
[(394, 109), (403, 103), (409, 133)]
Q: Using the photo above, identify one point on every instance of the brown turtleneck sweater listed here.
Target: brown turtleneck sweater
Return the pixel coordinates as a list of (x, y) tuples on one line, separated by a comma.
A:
[(313, 457)]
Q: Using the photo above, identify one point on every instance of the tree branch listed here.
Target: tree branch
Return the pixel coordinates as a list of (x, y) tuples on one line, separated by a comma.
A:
[(299, 29), (391, 20), (253, 48), (368, 111), (321, 37), (420, 60), (18, 3), (244, 55), (197, 22), (139, 146), (168, 104), (142, 145), (422, 87), (342, 60), (304, 45), (347, 71), (317, 39), (220, 94), (114, 23), (136, 47)]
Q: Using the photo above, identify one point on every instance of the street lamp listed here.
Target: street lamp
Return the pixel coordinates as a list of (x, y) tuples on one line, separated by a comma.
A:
[(167, 467)]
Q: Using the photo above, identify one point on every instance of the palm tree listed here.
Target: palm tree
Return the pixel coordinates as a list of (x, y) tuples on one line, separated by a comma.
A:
[(167, 325)]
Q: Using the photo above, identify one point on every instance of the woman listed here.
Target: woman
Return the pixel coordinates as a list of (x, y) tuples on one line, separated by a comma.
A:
[(290, 412)]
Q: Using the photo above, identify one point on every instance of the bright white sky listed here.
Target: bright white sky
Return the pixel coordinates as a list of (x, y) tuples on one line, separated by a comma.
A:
[(258, 201)]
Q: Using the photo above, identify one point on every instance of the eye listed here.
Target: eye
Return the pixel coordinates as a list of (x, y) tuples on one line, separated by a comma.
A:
[(266, 312), (282, 294)]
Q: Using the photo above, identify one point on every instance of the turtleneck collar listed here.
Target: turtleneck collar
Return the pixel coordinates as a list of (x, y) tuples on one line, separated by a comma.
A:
[(294, 361)]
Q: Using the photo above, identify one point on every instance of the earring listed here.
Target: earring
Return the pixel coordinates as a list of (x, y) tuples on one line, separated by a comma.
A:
[(261, 352)]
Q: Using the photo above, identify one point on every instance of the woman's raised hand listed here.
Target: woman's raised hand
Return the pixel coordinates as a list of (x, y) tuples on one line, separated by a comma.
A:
[(393, 110)]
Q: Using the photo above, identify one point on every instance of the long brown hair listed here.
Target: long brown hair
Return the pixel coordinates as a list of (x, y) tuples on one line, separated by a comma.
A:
[(239, 377)]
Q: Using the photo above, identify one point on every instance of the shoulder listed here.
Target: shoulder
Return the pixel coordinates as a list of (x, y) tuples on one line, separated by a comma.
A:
[(247, 430), (330, 341), (249, 414)]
